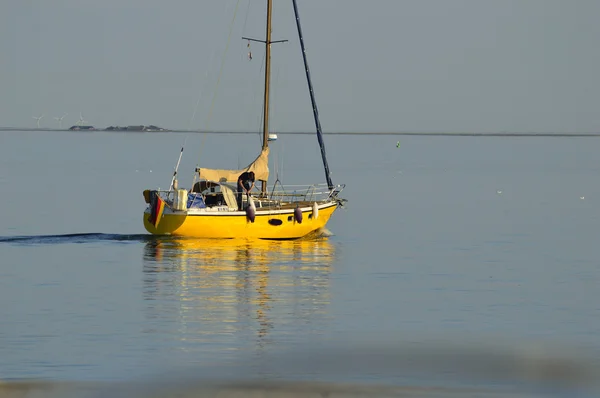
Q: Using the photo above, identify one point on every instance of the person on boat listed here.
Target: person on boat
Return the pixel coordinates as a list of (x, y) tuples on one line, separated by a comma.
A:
[(245, 183)]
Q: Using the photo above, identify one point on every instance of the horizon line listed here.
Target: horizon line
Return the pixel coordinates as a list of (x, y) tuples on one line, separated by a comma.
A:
[(398, 133)]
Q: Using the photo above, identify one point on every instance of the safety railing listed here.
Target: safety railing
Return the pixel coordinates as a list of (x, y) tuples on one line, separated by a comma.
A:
[(301, 193), (280, 194)]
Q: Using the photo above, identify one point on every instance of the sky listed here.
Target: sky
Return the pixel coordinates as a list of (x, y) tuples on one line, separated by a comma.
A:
[(377, 65)]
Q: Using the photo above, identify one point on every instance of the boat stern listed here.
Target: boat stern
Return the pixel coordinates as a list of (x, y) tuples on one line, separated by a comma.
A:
[(167, 224), (163, 216)]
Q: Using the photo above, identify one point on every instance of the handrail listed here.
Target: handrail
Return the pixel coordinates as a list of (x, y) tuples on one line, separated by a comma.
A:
[(287, 193)]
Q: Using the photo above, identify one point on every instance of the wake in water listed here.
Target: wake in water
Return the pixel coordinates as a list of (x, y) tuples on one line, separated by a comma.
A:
[(77, 238), (100, 237)]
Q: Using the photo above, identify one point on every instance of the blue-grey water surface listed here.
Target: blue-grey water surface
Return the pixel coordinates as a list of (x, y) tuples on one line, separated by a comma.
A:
[(443, 236)]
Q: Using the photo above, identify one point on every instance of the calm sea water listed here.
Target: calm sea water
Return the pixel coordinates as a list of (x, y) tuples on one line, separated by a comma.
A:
[(442, 238)]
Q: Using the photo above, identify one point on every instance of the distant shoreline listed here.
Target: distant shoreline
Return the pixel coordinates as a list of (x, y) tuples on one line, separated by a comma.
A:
[(348, 133)]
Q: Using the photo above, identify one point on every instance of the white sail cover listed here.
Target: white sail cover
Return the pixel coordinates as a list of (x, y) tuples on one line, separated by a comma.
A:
[(260, 167)]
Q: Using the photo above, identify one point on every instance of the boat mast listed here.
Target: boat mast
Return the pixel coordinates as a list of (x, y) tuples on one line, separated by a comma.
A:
[(267, 42), (265, 142), (313, 101)]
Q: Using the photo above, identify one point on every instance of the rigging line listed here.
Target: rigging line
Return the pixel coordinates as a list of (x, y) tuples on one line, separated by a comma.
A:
[(244, 29), (191, 122), (280, 171), (274, 102), (212, 105), (202, 91), (262, 107), (312, 100), (250, 104), (276, 161), (246, 19), (275, 93)]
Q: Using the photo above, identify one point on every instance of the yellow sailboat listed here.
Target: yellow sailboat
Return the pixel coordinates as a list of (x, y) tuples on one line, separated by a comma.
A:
[(212, 208)]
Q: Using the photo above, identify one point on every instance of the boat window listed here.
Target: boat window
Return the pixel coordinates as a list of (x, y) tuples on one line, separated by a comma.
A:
[(214, 199), (205, 187)]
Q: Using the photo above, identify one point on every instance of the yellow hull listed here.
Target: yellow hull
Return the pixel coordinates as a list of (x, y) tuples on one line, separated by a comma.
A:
[(236, 225)]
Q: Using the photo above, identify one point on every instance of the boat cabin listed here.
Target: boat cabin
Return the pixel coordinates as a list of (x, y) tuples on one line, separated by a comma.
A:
[(211, 194)]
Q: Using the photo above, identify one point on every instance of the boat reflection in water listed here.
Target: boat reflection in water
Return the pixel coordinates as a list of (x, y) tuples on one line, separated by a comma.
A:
[(229, 294)]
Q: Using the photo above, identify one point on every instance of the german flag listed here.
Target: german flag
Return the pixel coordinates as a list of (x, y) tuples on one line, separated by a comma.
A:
[(157, 206)]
